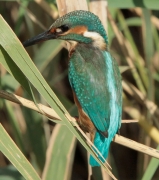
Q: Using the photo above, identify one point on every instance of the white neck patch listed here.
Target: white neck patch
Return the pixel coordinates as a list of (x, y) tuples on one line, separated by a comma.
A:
[(71, 45), (98, 40)]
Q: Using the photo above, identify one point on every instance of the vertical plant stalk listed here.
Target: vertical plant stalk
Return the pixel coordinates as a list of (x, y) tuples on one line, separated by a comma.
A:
[(66, 6), (154, 19), (125, 47), (100, 9), (148, 50), (139, 62)]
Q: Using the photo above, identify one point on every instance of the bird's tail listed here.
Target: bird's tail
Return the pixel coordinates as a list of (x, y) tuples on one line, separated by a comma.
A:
[(102, 144)]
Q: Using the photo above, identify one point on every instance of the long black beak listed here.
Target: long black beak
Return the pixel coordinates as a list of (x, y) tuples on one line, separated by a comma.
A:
[(47, 35)]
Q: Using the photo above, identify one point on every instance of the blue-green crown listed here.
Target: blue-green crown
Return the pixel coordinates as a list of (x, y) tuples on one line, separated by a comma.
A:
[(80, 18)]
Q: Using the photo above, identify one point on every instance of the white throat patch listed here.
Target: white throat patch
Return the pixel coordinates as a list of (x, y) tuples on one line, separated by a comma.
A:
[(71, 45), (98, 40)]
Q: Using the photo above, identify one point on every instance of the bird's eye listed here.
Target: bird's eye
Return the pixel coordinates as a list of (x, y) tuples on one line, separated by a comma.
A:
[(64, 28)]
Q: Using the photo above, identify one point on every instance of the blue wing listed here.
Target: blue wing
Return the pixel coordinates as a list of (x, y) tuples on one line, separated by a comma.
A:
[(95, 78)]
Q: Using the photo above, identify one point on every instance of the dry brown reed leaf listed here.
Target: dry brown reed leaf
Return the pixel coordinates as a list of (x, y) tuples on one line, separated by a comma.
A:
[(42, 109), (136, 146), (50, 113), (149, 128), (140, 97)]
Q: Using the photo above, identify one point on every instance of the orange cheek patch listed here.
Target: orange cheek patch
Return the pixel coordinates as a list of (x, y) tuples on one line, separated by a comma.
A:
[(52, 30), (76, 30)]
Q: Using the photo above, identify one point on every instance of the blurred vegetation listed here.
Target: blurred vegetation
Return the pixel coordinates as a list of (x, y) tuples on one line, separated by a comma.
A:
[(135, 45)]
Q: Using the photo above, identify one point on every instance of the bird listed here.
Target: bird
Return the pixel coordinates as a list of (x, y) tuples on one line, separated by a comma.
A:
[(93, 74)]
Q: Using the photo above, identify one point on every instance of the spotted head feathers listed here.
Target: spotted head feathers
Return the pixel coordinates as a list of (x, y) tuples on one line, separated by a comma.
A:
[(80, 26)]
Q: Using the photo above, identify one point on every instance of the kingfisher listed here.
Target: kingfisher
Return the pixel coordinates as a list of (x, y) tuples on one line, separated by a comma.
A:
[(93, 74)]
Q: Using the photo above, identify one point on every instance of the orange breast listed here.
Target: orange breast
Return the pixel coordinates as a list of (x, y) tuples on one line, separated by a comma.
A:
[(84, 121)]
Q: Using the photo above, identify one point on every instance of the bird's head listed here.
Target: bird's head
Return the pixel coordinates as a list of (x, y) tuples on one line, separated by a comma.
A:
[(80, 26)]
